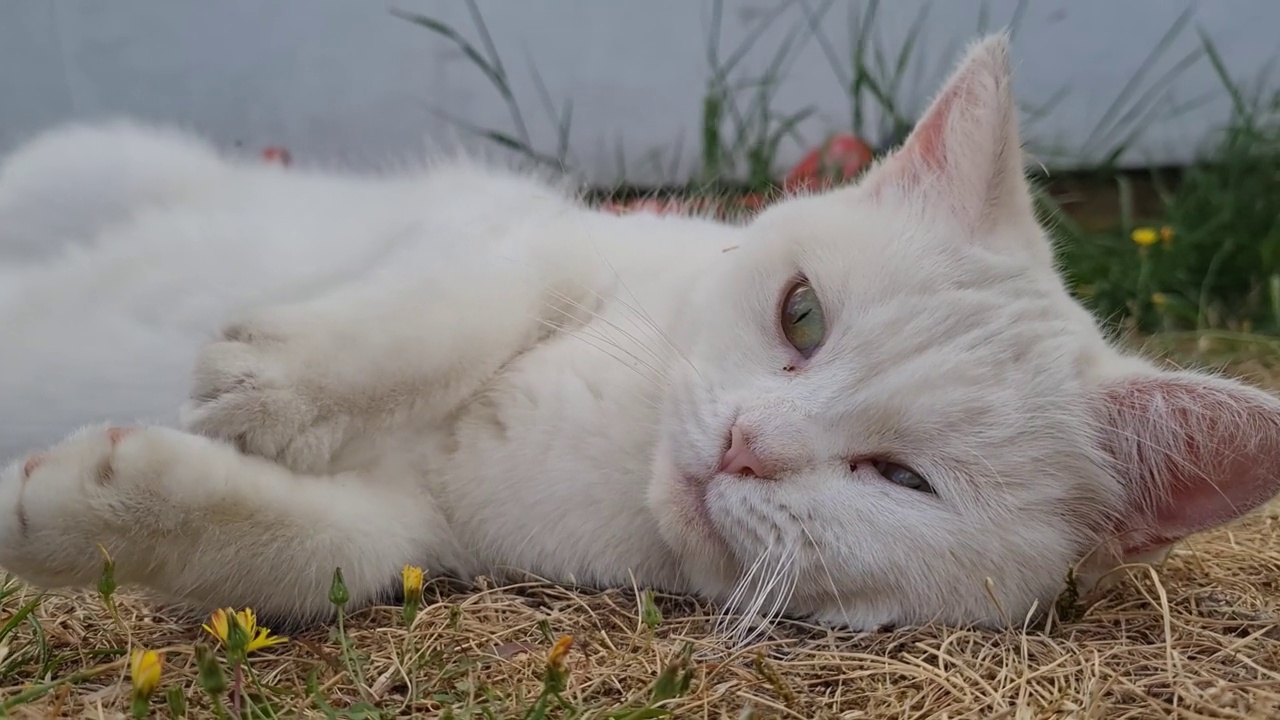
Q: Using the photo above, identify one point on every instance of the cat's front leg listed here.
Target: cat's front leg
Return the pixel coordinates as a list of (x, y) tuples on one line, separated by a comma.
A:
[(201, 523), (294, 384), (269, 387)]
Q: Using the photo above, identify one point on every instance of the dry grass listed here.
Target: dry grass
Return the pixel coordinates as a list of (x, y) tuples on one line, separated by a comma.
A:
[(1199, 637)]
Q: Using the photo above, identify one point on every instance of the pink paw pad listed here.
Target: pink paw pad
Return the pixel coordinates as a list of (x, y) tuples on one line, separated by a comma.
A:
[(115, 435), (30, 465)]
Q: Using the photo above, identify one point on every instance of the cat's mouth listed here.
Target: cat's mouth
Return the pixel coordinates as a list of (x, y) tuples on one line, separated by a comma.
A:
[(705, 494)]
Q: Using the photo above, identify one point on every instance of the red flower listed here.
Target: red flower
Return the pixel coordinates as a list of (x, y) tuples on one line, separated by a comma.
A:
[(839, 160), (278, 155)]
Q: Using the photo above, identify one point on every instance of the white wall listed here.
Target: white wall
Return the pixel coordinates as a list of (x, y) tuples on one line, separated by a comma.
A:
[(344, 81)]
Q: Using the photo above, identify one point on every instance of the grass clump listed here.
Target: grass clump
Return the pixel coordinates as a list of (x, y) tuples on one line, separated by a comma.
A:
[(1216, 264), (1199, 639)]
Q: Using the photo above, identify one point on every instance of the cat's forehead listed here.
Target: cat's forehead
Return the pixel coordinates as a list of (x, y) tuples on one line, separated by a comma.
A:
[(916, 308), (895, 273), (884, 246), (958, 350), (931, 332)]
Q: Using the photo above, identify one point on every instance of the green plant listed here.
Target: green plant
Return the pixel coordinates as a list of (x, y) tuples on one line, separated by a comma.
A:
[(487, 60), (1218, 266), (740, 139)]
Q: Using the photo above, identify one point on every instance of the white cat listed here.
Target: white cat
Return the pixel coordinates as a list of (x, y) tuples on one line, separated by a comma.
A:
[(874, 406)]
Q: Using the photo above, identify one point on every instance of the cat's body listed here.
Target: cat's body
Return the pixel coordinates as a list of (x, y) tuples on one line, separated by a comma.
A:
[(129, 308), (467, 370)]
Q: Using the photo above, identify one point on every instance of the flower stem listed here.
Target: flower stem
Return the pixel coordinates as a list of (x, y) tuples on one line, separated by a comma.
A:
[(253, 678), (349, 657), (237, 677), (34, 693)]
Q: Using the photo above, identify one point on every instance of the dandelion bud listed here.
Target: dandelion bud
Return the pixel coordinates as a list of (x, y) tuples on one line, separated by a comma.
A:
[(237, 636), (650, 615), (177, 702), (107, 581), (412, 577), (212, 679), (338, 594), (676, 677)]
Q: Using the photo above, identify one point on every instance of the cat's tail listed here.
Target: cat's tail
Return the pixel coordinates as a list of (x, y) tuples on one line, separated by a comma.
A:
[(62, 187)]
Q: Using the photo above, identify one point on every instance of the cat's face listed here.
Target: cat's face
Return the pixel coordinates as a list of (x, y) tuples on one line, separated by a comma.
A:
[(895, 414)]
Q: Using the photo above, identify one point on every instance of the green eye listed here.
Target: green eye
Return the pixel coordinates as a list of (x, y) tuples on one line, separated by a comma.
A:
[(802, 321)]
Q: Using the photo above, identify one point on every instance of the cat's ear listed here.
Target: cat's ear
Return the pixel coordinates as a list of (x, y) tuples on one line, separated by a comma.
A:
[(965, 154), (1192, 452)]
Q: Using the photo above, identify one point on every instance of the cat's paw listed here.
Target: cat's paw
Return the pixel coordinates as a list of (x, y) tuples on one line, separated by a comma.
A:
[(258, 389), (58, 506)]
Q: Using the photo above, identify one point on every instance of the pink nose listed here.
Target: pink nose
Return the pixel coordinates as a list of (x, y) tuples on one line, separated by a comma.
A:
[(740, 459)]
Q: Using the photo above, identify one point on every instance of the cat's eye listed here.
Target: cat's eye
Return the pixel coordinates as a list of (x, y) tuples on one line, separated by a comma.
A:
[(802, 321), (902, 475)]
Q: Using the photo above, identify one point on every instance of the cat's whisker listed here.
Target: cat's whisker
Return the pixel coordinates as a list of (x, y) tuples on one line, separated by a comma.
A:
[(732, 605), (752, 590), (586, 338), (743, 619), (586, 329), (639, 322), (729, 609), (656, 385), (573, 303), (645, 315), (789, 580), (763, 621), (822, 562), (752, 620), (640, 314), (781, 601)]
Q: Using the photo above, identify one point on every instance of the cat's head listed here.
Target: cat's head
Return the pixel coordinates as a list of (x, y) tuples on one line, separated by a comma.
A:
[(894, 413)]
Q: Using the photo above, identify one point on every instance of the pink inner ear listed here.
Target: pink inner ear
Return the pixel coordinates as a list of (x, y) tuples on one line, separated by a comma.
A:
[(924, 154), (1193, 452), (926, 149), (957, 151)]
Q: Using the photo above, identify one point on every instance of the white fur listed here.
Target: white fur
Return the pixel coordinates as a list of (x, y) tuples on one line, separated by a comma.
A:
[(465, 369)]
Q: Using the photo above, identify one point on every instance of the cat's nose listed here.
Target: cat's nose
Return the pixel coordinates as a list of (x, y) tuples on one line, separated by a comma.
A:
[(740, 459)]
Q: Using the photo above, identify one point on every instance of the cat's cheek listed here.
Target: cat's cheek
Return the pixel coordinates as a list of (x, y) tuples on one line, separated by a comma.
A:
[(676, 499), (678, 505)]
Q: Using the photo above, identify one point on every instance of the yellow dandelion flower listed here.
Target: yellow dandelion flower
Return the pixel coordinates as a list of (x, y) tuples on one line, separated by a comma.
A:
[(217, 626), (144, 672), (1166, 234), (255, 638), (559, 652), (556, 677), (1159, 299), (1145, 236), (412, 577)]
